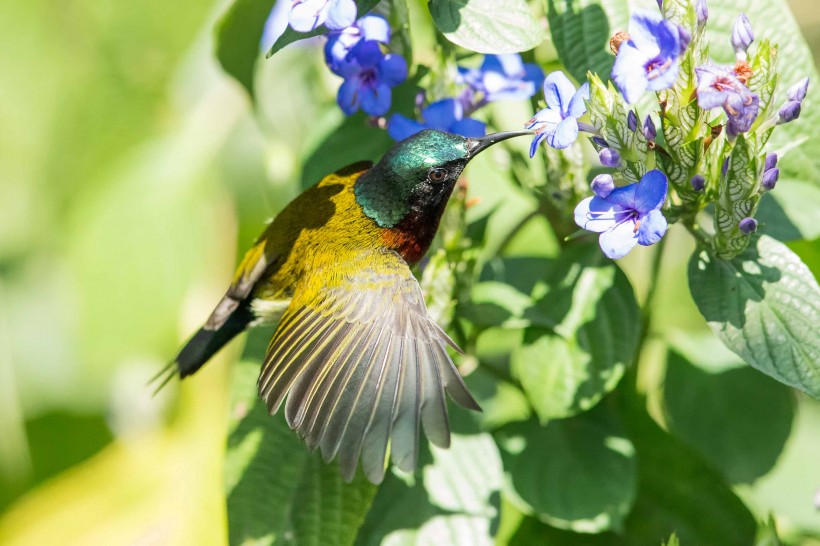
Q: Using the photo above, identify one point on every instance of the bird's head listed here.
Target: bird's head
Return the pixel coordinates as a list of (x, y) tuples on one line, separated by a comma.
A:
[(413, 181)]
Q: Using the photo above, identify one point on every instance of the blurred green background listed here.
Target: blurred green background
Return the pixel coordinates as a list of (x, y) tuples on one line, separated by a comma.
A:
[(131, 172)]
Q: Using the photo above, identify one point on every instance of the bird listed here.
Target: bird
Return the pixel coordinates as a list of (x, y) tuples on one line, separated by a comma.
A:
[(356, 359)]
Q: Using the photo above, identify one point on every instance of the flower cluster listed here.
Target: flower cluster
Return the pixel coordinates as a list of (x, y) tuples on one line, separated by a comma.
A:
[(660, 53)]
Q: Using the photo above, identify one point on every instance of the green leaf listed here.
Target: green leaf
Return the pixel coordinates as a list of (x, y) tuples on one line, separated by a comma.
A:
[(456, 495), (595, 321), (238, 34), (737, 419), (677, 491), (276, 489), (789, 212), (774, 21), (488, 26), (765, 306), (580, 32), (290, 35), (576, 474)]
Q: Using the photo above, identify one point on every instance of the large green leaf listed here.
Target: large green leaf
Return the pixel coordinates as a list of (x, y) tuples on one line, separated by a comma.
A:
[(765, 306), (677, 491), (788, 213), (737, 419), (290, 35), (277, 491), (453, 500), (488, 26), (773, 20), (594, 326), (238, 34), (580, 32), (576, 474)]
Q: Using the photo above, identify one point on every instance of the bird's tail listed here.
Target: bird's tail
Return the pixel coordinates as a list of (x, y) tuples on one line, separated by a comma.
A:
[(202, 346)]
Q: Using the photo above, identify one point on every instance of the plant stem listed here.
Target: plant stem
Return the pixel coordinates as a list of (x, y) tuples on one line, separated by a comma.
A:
[(646, 309)]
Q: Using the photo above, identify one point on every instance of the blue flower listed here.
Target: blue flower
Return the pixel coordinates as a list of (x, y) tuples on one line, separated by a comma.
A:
[(341, 43), (558, 122), (444, 115), (307, 15), (369, 77), (719, 87), (503, 77), (626, 216), (649, 59)]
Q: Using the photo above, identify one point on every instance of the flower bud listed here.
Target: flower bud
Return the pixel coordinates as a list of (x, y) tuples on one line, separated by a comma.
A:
[(770, 163), (660, 4), (698, 182), (602, 185), (600, 141), (649, 130), (770, 178), (789, 111), (742, 35), (609, 157), (684, 39), (747, 225), (702, 12), (632, 121), (797, 91), (724, 167)]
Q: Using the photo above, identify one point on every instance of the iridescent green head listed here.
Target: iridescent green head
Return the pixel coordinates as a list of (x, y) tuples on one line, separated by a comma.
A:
[(416, 177)]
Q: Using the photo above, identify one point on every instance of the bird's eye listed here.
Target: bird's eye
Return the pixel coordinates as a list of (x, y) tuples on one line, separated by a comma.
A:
[(438, 175)]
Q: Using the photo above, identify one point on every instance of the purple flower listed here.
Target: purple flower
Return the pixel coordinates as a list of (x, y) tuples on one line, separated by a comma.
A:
[(702, 12), (341, 43), (747, 225), (503, 77), (770, 178), (770, 162), (369, 77), (632, 121), (698, 182), (609, 157), (558, 122), (649, 59), (600, 141), (649, 130), (742, 35), (627, 216), (307, 15), (602, 185), (718, 87), (797, 92), (444, 115)]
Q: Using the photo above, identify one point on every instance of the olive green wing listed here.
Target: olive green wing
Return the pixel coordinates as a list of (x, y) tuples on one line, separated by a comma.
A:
[(362, 364)]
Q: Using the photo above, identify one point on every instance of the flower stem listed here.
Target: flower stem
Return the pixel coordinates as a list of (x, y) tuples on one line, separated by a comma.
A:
[(649, 303)]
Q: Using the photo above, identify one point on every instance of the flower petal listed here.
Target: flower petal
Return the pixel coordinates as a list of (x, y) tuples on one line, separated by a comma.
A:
[(558, 91), (348, 96), (653, 227), (577, 106), (400, 127), (598, 215), (376, 99), (623, 196), (664, 78), (644, 27), (367, 53), (469, 127), (374, 27), (341, 14), (392, 69), (544, 120), (629, 72), (442, 114), (650, 192), (565, 134), (306, 16), (535, 142), (618, 241)]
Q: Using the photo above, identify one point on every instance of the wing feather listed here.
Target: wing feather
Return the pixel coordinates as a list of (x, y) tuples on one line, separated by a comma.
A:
[(363, 366)]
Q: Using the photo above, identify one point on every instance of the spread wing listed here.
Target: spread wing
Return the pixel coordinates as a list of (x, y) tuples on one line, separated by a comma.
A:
[(362, 364)]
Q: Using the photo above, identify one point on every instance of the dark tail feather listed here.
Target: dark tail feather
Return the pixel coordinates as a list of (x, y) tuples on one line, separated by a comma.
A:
[(202, 346)]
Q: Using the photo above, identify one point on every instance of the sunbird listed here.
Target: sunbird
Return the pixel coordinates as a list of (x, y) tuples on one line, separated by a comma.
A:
[(356, 353)]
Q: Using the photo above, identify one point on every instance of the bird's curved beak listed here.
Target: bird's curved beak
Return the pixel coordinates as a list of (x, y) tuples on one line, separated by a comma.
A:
[(477, 145)]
